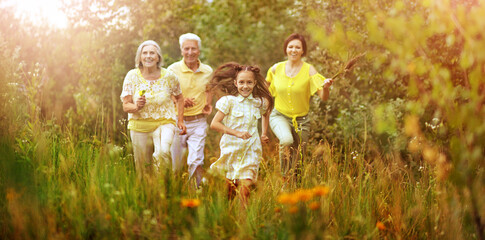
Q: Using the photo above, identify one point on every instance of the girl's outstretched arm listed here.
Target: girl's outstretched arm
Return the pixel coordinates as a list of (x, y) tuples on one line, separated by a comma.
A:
[(217, 125), (264, 125), (208, 105)]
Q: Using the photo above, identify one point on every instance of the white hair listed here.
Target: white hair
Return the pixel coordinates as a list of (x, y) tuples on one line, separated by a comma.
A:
[(190, 36), (138, 53)]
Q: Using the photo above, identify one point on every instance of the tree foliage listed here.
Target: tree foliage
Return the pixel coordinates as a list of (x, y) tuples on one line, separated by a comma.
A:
[(429, 56), (416, 97)]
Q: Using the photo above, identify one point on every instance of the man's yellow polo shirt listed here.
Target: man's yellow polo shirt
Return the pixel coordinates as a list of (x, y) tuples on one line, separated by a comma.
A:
[(193, 84)]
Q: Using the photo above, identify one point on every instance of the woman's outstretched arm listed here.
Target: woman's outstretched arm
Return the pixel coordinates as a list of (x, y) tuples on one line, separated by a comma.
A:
[(180, 113)]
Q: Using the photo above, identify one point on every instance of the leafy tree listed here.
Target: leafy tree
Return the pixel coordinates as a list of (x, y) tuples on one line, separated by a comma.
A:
[(431, 54), (250, 32)]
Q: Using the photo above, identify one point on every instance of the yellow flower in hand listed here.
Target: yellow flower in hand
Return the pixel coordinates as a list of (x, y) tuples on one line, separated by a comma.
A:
[(142, 92)]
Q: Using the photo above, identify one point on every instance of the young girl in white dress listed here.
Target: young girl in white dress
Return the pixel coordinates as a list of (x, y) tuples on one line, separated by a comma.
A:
[(248, 100)]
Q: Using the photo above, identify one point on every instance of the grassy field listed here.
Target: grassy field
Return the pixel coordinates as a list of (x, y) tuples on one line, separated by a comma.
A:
[(55, 184)]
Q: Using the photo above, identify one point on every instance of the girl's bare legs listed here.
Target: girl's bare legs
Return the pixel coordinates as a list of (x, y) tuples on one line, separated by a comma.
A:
[(240, 187), (244, 189), (231, 189)]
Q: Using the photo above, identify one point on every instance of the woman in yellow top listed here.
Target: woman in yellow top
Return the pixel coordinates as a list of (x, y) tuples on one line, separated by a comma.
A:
[(146, 97), (292, 83)]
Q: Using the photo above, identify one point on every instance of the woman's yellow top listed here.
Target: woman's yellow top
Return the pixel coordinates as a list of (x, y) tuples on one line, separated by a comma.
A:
[(147, 125), (292, 94)]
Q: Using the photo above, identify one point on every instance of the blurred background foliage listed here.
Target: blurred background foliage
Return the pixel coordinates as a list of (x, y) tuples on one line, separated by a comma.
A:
[(416, 97)]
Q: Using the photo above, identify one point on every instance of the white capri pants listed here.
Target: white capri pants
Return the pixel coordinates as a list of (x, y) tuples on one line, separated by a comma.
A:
[(282, 127), (152, 148)]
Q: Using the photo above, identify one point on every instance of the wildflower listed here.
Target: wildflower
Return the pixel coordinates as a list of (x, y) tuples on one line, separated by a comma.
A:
[(314, 206), (321, 191), (190, 203), (293, 209), (287, 198), (142, 92), (380, 226), (277, 210), (303, 195)]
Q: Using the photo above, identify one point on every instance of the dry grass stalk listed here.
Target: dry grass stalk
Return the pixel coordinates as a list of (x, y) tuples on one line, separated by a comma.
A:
[(349, 65)]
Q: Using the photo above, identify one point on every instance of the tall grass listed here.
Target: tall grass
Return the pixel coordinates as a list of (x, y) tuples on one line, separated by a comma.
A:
[(55, 187), (58, 183)]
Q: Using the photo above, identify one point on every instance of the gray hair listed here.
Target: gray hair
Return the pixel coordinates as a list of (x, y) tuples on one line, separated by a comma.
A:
[(138, 63), (190, 36)]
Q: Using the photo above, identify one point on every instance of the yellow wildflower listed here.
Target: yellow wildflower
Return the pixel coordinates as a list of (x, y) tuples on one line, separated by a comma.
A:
[(142, 92), (190, 203)]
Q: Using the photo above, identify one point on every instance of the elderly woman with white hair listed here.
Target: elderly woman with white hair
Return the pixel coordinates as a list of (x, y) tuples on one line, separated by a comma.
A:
[(146, 96)]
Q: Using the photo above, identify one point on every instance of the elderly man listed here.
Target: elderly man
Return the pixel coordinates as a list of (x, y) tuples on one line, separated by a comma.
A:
[(194, 77)]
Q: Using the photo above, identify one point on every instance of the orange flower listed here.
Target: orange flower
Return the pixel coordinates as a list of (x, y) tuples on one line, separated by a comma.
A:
[(277, 209), (380, 225), (286, 198), (321, 191), (303, 195), (190, 203), (314, 205), (293, 209)]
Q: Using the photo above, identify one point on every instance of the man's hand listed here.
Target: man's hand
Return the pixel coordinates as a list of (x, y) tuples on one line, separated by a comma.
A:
[(189, 102), (182, 127)]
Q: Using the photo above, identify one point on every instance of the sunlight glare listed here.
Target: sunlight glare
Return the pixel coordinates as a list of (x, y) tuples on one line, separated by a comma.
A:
[(36, 10)]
